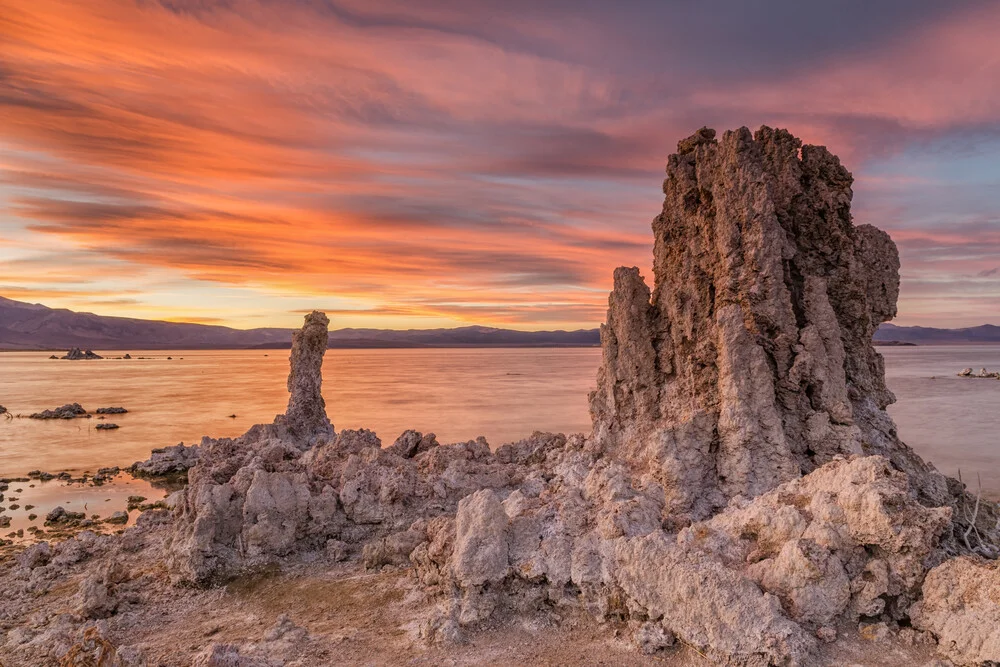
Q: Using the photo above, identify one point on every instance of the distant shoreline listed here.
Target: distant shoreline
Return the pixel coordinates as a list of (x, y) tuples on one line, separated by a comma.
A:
[(288, 347)]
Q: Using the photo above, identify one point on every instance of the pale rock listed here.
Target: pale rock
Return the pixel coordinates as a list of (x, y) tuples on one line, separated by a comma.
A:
[(306, 413), (750, 362), (961, 606), (166, 461), (482, 540), (708, 605)]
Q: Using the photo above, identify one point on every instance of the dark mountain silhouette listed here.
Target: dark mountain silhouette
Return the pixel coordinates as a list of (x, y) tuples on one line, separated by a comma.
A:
[(25, 326), (986, 333)]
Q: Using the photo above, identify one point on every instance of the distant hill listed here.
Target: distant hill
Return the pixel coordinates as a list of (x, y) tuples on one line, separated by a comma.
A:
[(986, 333), (25, 326)]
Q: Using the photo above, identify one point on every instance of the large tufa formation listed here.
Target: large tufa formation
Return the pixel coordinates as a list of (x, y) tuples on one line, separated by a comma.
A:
[(751, 361), (306, 413)]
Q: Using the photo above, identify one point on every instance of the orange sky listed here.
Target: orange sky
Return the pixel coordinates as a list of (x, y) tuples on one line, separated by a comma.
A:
[(439, 163)]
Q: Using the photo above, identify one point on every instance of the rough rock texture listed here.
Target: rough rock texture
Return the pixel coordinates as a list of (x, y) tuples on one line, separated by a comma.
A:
[(257, 498), (306, 413), (76, 354), (751, 361), (753, 585), (961, 605), (167, 461), (68, 411)]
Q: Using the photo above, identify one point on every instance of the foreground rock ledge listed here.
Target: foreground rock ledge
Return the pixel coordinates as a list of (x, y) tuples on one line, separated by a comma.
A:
[(743, 491)]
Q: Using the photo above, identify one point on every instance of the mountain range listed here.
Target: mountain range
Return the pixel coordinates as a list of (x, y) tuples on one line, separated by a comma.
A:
[(985, 333), (26, 326)]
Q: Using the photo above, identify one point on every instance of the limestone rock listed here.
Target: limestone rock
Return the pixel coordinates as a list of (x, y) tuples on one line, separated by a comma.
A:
[(306, 413), (229, 655), (37, 555), (76, 354), (847, 538), (97, 595), (68, 411), (411, 443), (394, 549), (165, 461), (961, 605), (708, 605), (750, 363), (481, 540)]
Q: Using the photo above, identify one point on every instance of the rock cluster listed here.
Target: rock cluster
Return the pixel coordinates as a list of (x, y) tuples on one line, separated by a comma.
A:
[(167, 461), (111, 411), (983, 373), (76, 354), (68, 411)]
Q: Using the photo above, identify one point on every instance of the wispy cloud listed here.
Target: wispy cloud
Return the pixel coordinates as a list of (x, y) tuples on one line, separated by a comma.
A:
[(411, 163)]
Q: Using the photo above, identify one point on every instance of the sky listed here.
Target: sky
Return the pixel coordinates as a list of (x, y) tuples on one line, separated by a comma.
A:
[(405, 164)]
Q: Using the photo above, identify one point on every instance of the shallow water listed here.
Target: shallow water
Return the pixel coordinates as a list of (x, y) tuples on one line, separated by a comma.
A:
[(503, 394), (35, 498)]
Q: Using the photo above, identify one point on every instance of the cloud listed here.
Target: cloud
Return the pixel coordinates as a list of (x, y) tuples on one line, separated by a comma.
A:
[(415, 162)]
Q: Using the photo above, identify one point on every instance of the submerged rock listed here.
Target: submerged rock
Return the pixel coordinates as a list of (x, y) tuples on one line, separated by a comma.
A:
[(68, 411), (76, 354)]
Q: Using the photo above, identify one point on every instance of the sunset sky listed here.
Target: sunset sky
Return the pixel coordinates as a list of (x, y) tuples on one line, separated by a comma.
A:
[(429, 163)]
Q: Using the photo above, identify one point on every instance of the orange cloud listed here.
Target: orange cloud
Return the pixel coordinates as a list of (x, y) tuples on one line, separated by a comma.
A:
[(400, 163)]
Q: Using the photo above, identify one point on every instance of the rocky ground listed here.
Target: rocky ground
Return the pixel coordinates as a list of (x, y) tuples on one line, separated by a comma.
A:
[(743, 498)]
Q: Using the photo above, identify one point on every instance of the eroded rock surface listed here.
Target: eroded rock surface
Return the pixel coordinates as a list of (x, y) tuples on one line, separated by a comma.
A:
[(76, 354), (68, 411), (167, 461), (961, 606), (750, 363), (306, 414)]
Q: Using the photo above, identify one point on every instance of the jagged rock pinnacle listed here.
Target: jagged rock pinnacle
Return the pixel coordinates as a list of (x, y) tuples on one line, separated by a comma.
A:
[(306, 414), (751, 362)]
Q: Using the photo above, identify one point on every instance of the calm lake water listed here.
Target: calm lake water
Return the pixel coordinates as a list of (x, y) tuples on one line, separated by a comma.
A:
[(503, 394)]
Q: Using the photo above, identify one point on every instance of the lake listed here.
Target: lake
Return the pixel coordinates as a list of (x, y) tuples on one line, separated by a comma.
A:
[(502, 394)]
